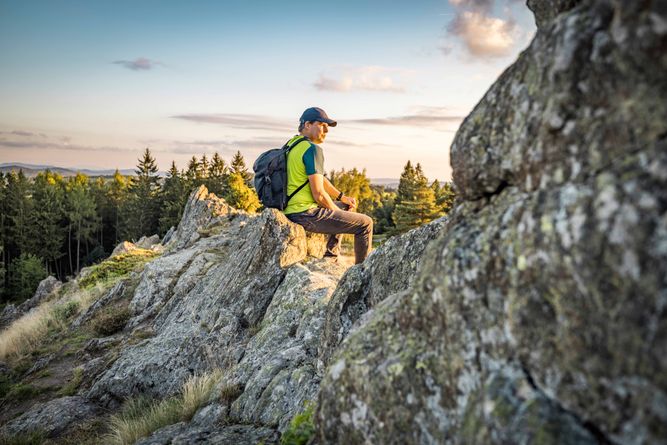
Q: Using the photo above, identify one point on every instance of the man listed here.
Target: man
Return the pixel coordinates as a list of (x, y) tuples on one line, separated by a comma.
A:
[(321, 207)]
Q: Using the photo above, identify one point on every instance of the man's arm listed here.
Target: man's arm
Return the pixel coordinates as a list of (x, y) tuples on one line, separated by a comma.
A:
[(330, 189), (318, 189)]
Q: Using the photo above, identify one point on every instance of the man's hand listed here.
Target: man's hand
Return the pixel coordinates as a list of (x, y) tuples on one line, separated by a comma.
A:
[(349, 201)]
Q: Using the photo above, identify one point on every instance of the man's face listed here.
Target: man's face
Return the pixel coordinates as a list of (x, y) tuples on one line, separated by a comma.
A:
[(316, 131)]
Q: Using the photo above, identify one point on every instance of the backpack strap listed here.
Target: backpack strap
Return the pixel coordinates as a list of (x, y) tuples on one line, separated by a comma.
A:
[(289, 147)]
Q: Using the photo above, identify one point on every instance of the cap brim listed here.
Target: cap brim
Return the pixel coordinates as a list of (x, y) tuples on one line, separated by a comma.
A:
[(331, 123)]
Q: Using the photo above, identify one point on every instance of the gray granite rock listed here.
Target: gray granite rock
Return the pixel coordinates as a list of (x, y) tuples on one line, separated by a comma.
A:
[(52, 418), (389, 269), (48, 286), (538, 316), (200, 301), (277, 373), (185, 434)]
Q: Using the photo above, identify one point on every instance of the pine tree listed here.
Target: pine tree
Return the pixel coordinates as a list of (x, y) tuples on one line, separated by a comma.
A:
[(81, 214), (25, 274), (117, 194), (239, 195), (415, 201), (238, 166), (17, 210), (47, 233), (142, 210), (444, 196), (217, 174), (173, 198), (407, 183), (193, 174), (203, 167)]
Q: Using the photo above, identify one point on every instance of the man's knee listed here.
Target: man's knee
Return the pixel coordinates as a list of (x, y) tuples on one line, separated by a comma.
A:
[(367, 223)]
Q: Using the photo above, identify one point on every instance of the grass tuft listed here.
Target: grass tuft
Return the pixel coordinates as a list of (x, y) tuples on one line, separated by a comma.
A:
[(116, 267), (301, 429), (229, 393), (25, 336), (70, 388), (141, 417), (111, 320), (33, 438)]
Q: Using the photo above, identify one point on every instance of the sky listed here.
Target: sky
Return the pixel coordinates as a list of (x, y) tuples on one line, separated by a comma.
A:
[(92, 83)]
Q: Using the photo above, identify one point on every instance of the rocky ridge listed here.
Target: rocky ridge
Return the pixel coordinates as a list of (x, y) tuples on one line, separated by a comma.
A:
[(538, 315), (533, 313)]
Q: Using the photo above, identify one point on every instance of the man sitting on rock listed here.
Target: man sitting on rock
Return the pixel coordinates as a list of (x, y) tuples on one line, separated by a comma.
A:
[(313, 206)]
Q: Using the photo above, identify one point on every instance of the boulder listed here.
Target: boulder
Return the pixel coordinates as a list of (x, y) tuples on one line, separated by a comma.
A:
[(202, 300), (391, 268), (52, 418), (539, 313), (48, 286)]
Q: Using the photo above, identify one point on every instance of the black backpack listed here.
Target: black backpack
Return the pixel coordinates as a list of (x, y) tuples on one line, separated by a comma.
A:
[(271, 176)]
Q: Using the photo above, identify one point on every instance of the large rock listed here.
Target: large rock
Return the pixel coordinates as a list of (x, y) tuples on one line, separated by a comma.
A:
[(202, 210), (539, 314), (202, 301), (391, 268), (52, 418), (48, 286), (278, 371)]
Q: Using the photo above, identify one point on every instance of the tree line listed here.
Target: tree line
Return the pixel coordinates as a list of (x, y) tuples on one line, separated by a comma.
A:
[(56, 225)]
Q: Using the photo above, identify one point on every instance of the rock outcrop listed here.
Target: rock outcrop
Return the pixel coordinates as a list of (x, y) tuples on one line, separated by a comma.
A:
[(48, 286), (200, 301), (538, 315), (535, 312)]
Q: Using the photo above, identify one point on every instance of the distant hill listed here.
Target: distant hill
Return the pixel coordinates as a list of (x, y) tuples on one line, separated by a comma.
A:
[(31, 170)]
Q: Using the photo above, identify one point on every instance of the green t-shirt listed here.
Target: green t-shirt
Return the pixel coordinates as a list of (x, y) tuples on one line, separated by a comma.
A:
[(303, 160)]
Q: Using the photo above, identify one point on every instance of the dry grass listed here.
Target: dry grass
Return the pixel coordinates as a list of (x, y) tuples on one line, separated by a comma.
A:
[(140, 418), (27, 334)]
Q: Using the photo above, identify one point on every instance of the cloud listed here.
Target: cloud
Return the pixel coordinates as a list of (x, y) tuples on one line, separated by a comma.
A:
[(432, 117), (482, 35), (139, 64), (22, 133), (242, 121), (23, 143), (367, 78)]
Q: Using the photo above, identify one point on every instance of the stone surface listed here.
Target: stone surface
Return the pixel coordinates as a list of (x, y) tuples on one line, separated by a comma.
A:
[(52, 418), (48, 286), (202, 210), (122, 248), (389, 269), (539, 315), (200, 301), (184, 434), (277, 373)]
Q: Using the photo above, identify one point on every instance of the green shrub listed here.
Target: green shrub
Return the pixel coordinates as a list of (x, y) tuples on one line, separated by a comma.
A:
[(33, 438), (73, 384), (301, 429), (140, 417), (118, 266), (111, 320), (25, 274), (22, 391), (64, 311)]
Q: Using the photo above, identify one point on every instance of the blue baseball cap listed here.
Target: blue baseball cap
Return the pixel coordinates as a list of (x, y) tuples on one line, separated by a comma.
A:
[(315, 114)]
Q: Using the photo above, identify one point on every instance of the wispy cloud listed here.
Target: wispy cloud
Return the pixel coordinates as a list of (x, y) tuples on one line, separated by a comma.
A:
[(242, 121), (138, 64), (366, 78), (30, 141), (482, 34), (22, 133), (432, 117)]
